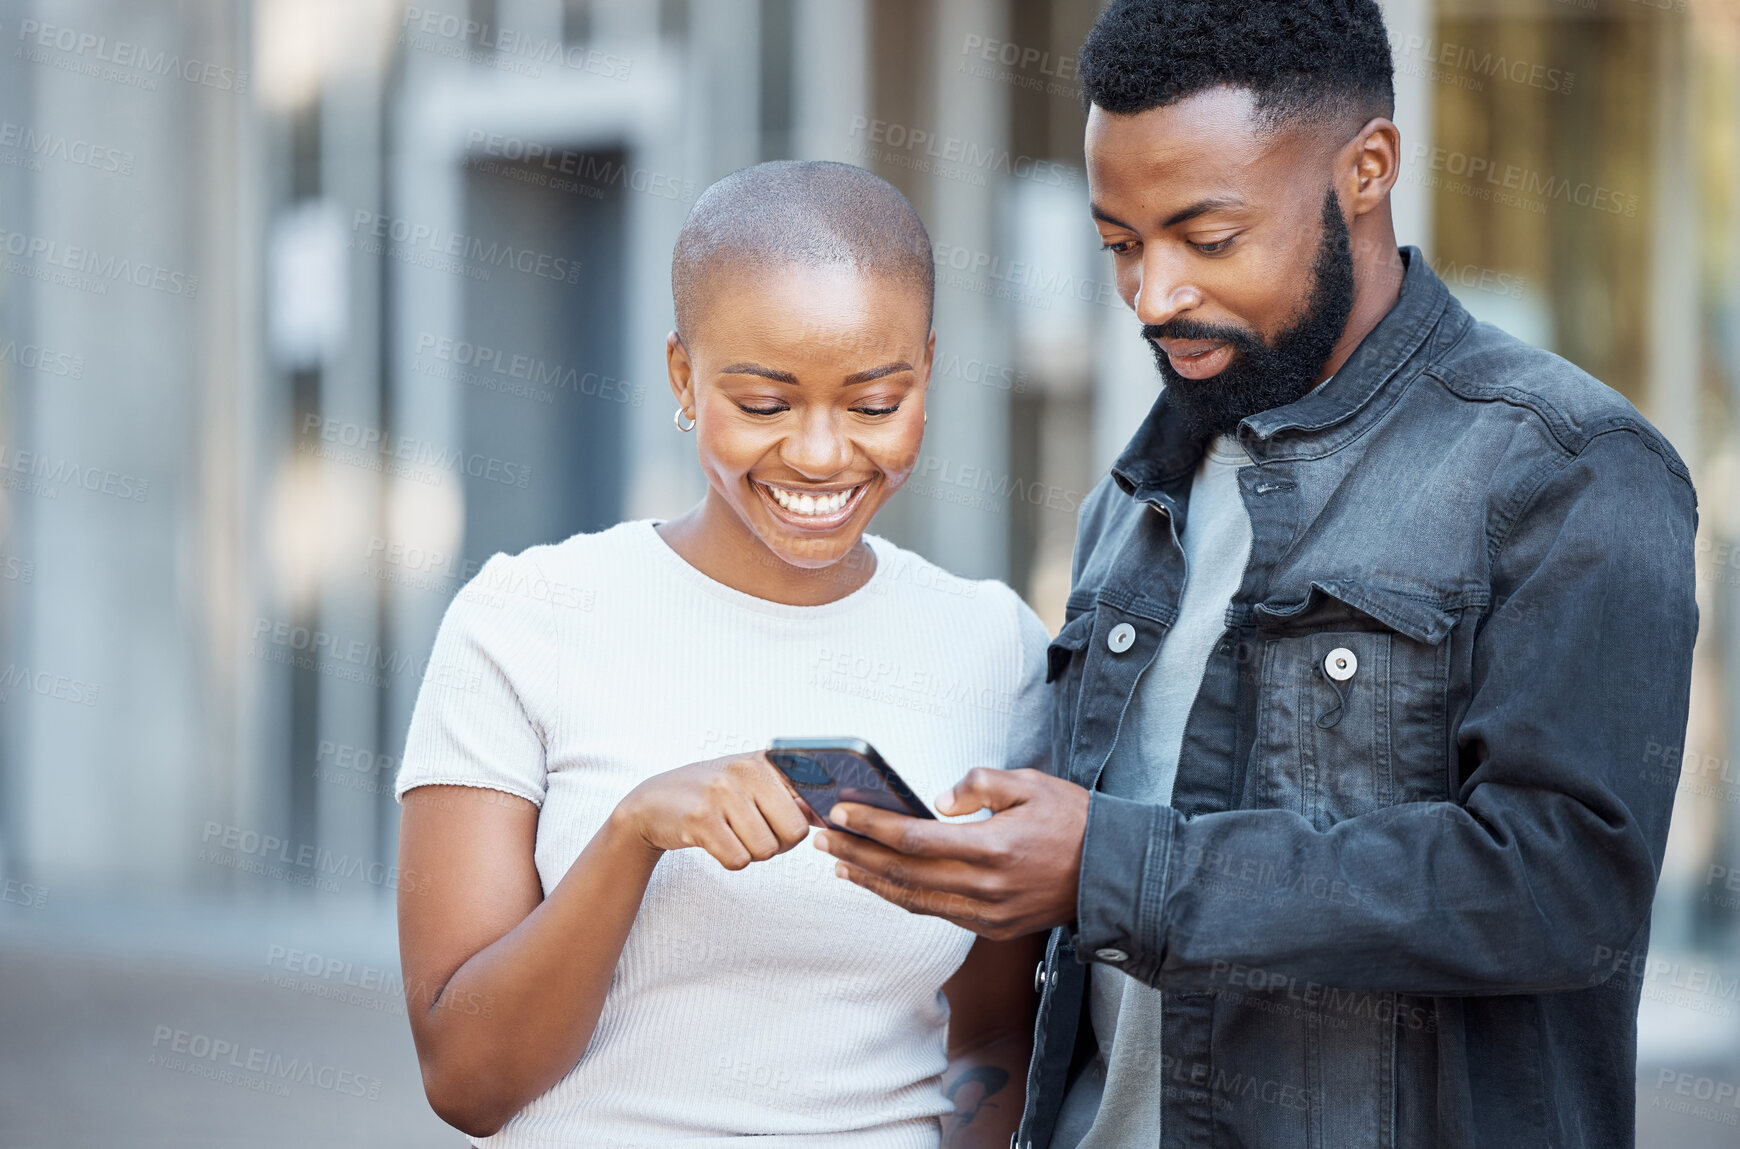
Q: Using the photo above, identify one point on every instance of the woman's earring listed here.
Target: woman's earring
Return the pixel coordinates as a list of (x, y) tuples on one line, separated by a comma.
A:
[(678, 420)]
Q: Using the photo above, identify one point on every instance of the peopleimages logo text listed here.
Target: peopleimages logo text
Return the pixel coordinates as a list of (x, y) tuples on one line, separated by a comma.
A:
[(54, 146), (372, 442), (318, 859), (122, 54), (87, 261), (966, 155), (474, 248), (32, 357), (1503, 177), (50, 471), (205, 1056), (511, 365), (508, 42)]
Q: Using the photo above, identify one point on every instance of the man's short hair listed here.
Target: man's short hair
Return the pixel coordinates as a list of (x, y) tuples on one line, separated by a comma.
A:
[(1306, 61), (809, 213)]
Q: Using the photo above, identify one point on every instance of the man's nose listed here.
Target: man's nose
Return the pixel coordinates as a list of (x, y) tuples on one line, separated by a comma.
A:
[(1166, 290)]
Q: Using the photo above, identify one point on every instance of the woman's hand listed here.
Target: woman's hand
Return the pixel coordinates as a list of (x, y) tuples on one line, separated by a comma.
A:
[(738, 808)]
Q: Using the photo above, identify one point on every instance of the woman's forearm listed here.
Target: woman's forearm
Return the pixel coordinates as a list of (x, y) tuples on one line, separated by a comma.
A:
[(505, 985), (987, 1083), (517, 1016)]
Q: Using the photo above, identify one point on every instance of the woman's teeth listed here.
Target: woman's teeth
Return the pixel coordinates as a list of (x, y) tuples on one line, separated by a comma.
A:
[(802, 504)]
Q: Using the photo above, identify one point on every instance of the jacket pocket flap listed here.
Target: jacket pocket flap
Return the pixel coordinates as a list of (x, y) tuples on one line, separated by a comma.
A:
[(1419, 619), (1071, 640)]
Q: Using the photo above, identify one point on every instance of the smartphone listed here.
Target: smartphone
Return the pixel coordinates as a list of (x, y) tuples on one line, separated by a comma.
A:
[(829, 770)]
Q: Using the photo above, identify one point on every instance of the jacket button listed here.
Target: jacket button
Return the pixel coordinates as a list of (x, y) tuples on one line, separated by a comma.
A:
[(1038, 977), (1111, 954), (1340, 664), (1122, 638)]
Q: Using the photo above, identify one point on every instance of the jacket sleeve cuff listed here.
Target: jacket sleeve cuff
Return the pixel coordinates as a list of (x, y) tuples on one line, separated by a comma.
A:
[(1121, 902)]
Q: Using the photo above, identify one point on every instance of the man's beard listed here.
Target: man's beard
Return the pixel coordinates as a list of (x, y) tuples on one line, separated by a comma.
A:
[(1261, 377)]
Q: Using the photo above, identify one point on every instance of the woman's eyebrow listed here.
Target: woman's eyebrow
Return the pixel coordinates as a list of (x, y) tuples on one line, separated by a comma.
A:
[(851, 380), (875, 373), (758, 369)]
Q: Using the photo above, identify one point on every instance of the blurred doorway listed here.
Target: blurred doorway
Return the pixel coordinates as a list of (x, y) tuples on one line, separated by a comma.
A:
[(544, 414)]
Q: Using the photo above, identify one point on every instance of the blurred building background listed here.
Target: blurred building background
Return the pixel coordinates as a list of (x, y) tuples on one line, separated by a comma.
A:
[(309, 306)]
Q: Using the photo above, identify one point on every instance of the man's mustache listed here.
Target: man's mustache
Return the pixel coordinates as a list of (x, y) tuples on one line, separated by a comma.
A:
[(1191, 329)]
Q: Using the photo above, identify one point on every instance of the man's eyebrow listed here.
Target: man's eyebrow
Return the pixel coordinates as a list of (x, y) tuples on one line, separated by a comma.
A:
[(1104, 216), (758, 369), (875, 373), (1203, 207)]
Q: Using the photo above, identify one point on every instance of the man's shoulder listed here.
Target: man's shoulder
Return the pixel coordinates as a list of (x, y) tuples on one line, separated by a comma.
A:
[(1499, 374), (1106, 509)]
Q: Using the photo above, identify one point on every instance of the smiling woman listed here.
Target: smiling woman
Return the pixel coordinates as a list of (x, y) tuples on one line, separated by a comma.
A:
[(800, 448), (661, 964), (803, 348)]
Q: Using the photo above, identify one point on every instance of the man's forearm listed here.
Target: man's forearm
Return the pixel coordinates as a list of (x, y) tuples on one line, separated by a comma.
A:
[(1420, 898)]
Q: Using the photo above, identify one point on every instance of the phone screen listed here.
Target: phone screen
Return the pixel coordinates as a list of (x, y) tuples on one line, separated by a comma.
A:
[(829, 770)]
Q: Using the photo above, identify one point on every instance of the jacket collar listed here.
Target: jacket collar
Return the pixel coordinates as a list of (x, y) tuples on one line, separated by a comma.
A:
[(1160, 454)]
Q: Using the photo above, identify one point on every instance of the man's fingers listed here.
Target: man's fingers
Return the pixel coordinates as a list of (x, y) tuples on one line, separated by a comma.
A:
[(954, 908), (917, 837), (987, 789), (946, 875)]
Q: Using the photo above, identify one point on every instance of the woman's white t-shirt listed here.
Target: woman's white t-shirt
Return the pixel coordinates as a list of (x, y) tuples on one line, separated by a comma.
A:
[(779, 1002)]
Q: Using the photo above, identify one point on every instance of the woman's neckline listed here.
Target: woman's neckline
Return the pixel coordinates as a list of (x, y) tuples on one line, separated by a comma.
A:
[(668, 557)]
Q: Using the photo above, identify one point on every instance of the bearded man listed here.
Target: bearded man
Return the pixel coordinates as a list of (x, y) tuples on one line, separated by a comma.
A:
[(1374, 632)]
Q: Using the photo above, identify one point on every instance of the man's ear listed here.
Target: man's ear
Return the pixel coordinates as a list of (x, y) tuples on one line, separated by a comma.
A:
[(1373, 164), (681, 372)]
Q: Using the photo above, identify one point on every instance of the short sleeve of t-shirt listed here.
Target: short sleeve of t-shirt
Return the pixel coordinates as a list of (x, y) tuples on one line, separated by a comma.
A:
[(480, 711)]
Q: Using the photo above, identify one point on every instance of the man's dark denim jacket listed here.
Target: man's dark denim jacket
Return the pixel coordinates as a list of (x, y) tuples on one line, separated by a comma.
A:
[(1399, 909)]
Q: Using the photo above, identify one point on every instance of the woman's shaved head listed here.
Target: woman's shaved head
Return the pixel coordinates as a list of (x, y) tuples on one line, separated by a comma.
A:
[(808, 213)]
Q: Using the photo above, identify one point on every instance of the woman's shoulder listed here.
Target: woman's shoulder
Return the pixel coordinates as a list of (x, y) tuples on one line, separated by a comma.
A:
[(620, 547), (569, 573), (981, 629), (921, 588), (527, 597)]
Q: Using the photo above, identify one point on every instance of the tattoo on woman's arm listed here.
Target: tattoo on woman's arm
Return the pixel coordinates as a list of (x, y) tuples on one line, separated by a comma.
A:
[(989, 1078)]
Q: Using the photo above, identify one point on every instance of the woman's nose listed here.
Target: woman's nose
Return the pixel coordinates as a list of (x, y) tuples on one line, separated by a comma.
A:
[(817, 447)]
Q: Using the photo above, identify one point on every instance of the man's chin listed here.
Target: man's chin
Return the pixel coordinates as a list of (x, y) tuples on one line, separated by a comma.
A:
[(1207, 410)]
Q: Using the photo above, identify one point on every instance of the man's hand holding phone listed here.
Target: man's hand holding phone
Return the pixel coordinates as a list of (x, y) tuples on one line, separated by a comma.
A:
[(1012, 874), (737, 808)]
